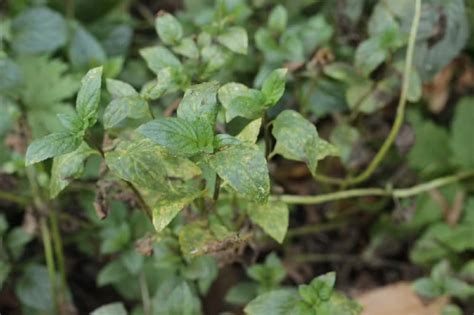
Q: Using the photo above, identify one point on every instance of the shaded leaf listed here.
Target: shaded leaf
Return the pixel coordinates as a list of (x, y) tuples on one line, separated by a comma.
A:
[(272, 217)]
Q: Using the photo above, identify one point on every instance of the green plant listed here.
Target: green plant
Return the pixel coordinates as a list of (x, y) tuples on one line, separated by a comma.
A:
[(183, 161)]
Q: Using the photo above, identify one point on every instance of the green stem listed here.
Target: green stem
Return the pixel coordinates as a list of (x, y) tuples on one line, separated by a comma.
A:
[(400, 111), (365, 192), (147, 307), (58, 247), (266, 135), (13, 198), (48, 250), (315, 228)]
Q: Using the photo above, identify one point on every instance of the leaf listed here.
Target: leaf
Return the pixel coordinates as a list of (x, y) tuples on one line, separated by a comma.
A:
[(182, 301), (158, 58), (147, 165), (52, 145), (133, 261), (370, 55), (168, 207), (268, 275), (432, 146), (38, 30), (215, 58), (241, 293), (16, 241), (71, 121), (235, 39), (125, 107), (179, 136), (278, 302), (319, 290), (84, 50), (462, 130), (345, 138), (239, 100), (33, 289), (112, 273), (274, 86), (194, 238), (120, 89), (110, 309), (67, 167), (426, 287), (272, 217), (200, 103), (250, 132), (244, 168), (278, 19), (46, 82), (87, 102), (187, 47), (5, 269), (168, 28), (10, 76)]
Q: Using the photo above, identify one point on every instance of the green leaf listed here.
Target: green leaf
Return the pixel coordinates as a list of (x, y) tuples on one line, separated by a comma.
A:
[(5, 269), (87, 102), (84, 50), (274, 86), (194, 239), (319, 290), (120, 89), (187, 47), (278, 19), (235, 39), (215, 58), (113, 272), (33, 289), (168, 28), (16, 241), (125, 107), (10, 76), (71, 121), (370, 55), (427, 288), (272, 217), (345, 138), (52, 145), (38, 30), (461, 134), (278, 302), (147, 165), (110, 309), (204, 269), (268, 275), (133, 261), (244, 168), (182, 301), (242, 293), (158, 57), (200, 103), (179, 136), (431, 148), (67, 167)]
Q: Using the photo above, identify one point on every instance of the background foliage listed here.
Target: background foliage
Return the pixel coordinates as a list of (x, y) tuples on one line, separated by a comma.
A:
[(234, 156)]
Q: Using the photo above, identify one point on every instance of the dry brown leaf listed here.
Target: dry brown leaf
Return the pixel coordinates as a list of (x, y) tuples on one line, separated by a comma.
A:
[(436, 93), (398, 299)]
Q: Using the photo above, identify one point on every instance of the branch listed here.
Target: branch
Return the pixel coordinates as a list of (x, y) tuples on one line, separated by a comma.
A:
[(365, 192)]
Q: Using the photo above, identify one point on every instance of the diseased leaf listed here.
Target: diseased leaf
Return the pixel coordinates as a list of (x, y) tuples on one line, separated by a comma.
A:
[(244, 168), (167, 208), (168, 28), (87, 103), (52, 145), (38, 30), (147, 165), (187, 48), (200, 103), (235, 39), (274, 86), (67, 167), (71, 121), (272, 217), (250, 132), (179, 136)]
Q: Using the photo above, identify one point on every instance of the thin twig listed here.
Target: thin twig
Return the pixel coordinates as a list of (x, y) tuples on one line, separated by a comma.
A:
[(366, 192)]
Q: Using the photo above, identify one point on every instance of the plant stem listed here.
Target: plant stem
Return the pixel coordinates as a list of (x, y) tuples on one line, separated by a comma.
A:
[(399, 116), (315, 228), (266, 135), (13, 198), (217, 188), (58, 247), (48, 251), (145, 294), (365, 192)]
